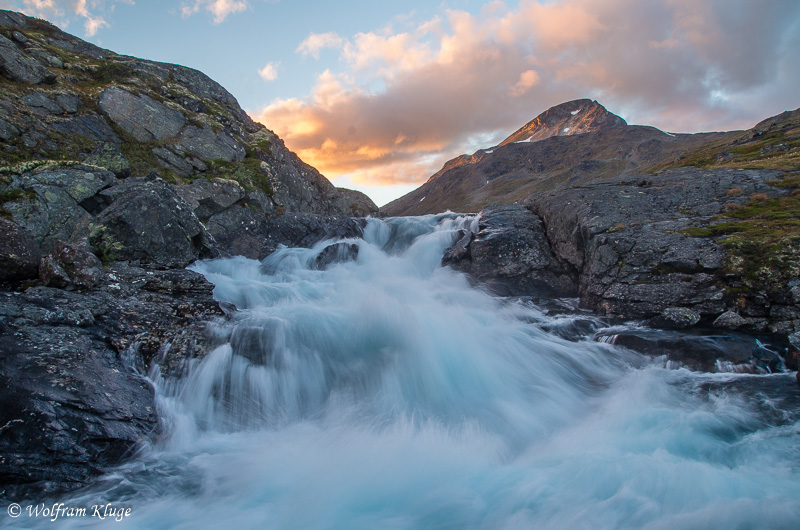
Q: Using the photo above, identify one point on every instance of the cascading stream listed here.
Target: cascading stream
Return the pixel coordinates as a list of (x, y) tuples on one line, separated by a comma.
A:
[(386, 392)]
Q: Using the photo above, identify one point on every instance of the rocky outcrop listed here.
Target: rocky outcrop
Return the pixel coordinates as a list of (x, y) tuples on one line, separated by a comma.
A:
[(511, 255), (71, 402), (658, 247), (642, 245), (68, 100)]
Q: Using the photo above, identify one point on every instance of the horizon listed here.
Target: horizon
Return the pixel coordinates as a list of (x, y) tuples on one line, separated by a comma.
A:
[(374, 97)]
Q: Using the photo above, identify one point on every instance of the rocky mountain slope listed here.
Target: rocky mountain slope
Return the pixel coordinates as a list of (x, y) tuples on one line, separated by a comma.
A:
[(65, 100)]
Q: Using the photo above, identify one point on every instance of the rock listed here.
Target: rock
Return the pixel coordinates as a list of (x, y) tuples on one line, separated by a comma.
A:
[(18, 67), (511, 254), (148, 222), (207, 198), (241, 231), (675, 318), (336, 253), (730, 320), (19, 37), (460, 250), (209, 145), (707, 353), (7, 131), (90, 127), (360, 205), (108, 156), (70, 103), (71, 405), (70, 266), (19, 254), (41, 104), (140, 116), (51, 208)]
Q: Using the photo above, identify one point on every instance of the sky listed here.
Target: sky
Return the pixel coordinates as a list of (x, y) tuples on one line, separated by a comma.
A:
[(378, 95)]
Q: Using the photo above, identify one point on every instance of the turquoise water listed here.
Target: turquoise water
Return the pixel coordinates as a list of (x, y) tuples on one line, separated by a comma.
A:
[(386, 392)]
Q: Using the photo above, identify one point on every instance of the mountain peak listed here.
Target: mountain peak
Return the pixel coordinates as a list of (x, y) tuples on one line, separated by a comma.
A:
[(573, 117)]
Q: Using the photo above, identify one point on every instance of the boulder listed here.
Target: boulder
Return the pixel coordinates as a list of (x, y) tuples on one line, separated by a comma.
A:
[(242, 231), (141, 116), (360, 205), (675, 318), (70, 266), (511, 254), (19, 254), (148, 222), (336, 253), (730, 320), (108, 156), (210, 145), (16, 66), (207, 198)]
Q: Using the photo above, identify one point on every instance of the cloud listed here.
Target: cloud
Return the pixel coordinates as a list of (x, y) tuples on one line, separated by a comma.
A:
[(404, 101), (269, 72), (91, 12), (219, 8), (316, 42)]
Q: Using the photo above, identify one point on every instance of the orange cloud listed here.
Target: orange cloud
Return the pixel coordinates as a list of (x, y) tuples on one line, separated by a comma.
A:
[(459, 81)]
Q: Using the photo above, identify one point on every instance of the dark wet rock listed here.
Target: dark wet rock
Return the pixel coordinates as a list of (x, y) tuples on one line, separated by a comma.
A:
[(70, 266), (148, 222), (460, 250), (140, 116), (208, 198), (675, 318), (71, 404), (90, 127), (243, 231), (730, 320), (511, 254), (336, 253), (701, 352), (19, 253), (16, 66)]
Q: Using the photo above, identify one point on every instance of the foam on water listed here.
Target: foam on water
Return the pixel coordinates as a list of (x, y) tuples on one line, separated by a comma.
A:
[(386, 392)]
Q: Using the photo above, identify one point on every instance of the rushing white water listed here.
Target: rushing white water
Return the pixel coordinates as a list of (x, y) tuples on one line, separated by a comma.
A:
[(385, 392)]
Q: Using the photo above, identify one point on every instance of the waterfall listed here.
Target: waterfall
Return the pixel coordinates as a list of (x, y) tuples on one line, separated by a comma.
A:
[(382, 390)]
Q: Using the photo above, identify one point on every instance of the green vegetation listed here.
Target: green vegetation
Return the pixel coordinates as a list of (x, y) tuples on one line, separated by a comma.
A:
[(763, 243), (773, 144), (104, 244), (247, 173)]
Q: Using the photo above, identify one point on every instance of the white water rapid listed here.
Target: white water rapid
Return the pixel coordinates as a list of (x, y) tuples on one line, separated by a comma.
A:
[(385, 392)]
